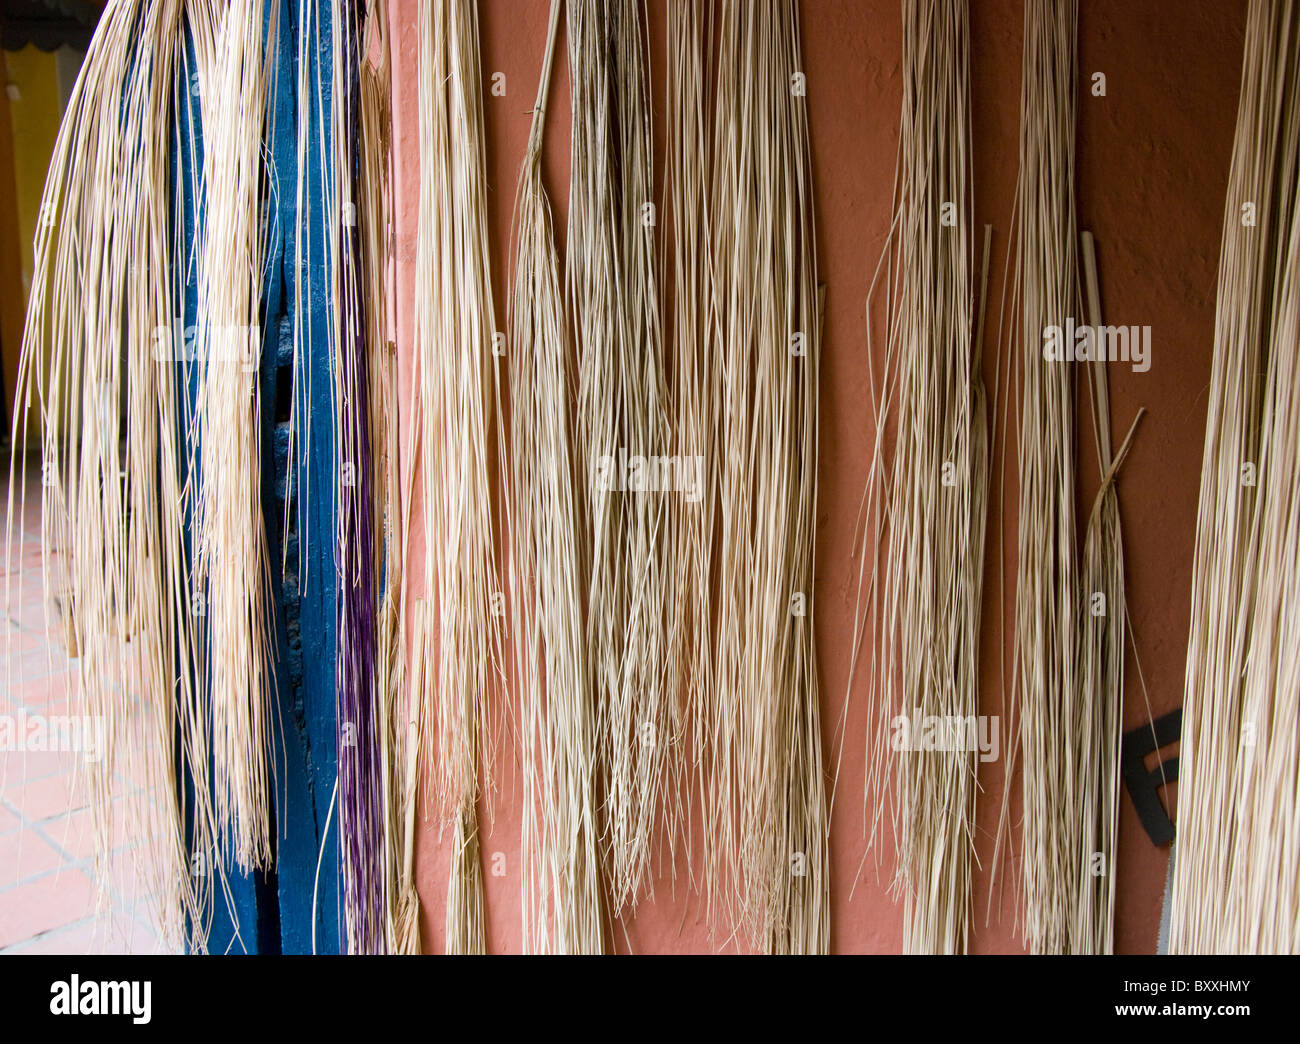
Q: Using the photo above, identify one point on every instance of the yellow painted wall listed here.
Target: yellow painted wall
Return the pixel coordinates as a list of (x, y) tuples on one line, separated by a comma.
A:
[(34, 98), (34, 116)]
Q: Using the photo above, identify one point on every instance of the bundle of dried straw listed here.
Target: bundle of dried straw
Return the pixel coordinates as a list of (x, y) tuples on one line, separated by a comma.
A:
[(1236, 886)]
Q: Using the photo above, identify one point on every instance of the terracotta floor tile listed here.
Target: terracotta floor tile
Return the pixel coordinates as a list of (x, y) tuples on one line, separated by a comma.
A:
[(17, 766), (74, 833), (24, 854), (48, 902), (46, 797), (23, 641), (47, 843), (131, 771), (29, 614), (39, 664), (132, 880), (48, 694), (126, 879), (96, 935)]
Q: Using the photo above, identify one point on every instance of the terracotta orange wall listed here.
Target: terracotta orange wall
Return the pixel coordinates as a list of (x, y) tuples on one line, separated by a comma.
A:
[(1153, 158)]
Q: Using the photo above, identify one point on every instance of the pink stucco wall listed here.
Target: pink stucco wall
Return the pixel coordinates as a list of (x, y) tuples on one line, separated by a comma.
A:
[(1152, 169)]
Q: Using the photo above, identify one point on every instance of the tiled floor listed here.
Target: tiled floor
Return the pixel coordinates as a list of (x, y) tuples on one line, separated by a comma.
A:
[(48, 901)]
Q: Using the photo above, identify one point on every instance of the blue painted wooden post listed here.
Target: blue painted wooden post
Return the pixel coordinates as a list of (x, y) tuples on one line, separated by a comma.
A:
[(294, 909), (306, 611), (237, 923)]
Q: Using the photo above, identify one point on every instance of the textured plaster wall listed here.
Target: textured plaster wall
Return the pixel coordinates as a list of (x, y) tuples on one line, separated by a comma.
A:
[(1153, 159)]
